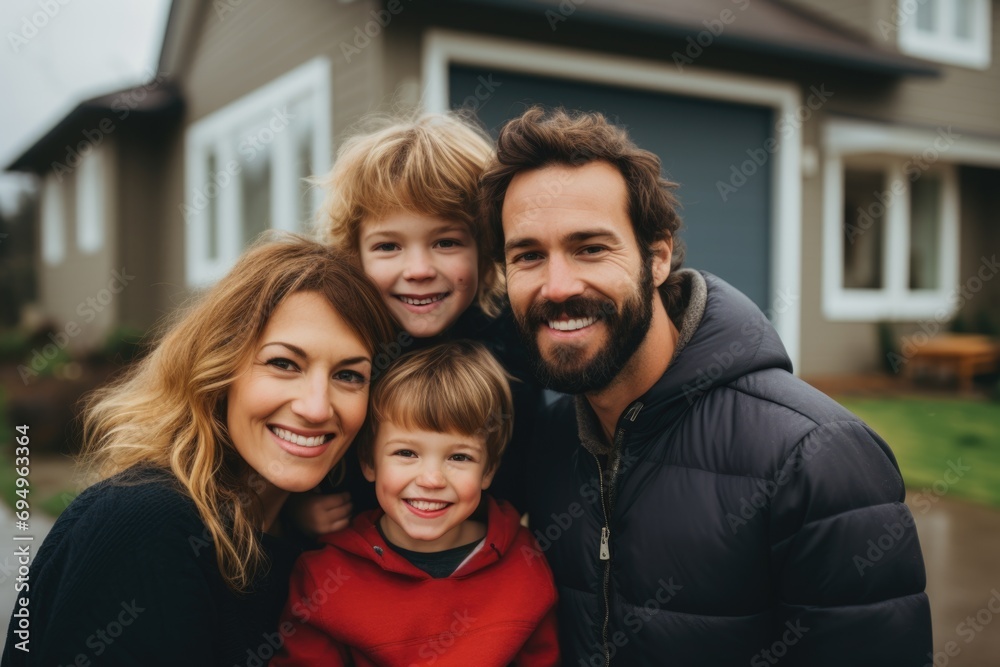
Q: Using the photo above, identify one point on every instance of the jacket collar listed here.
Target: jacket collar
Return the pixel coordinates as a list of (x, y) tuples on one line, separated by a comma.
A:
[(363, 539), (723, 336)]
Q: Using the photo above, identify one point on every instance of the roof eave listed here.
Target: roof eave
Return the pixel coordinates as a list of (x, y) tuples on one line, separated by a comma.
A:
[(159, 101), (866, 58)]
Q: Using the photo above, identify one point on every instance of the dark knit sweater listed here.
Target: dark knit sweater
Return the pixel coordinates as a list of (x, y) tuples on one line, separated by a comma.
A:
[(128, 576)]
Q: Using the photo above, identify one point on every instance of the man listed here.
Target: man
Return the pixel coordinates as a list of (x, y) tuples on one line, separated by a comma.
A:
[(699, 504)]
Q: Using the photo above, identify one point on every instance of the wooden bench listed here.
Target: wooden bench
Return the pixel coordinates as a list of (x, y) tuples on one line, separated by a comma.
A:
[(966, 354)]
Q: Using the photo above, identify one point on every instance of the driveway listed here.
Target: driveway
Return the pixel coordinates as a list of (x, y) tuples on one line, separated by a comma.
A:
[(961, 545)]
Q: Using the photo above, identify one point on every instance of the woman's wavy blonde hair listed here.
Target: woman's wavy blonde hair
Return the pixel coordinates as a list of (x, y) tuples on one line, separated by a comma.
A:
[(169, 409), (429, 164)]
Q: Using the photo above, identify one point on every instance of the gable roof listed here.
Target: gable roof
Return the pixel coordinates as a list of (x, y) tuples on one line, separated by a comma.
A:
[(99, 116), (183, 22), (769, 27)]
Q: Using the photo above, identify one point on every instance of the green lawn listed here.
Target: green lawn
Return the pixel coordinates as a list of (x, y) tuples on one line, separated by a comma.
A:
[(932, 438)]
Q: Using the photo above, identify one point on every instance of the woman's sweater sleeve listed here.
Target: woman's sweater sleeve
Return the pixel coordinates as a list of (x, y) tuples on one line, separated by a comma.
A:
[(119, 581)]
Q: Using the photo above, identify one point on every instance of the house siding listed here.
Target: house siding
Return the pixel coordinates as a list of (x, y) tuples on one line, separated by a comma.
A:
[(965, 98), (246, 48), (980, 246), (859, 16), (259, 41), (837, 348), (827, 348), (143, 204), (74, 290), (962, 97)]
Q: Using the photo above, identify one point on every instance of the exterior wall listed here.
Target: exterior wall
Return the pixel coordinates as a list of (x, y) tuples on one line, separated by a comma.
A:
[(143, 207), (828, 348), (401, 75), (965, 98), (258, 41), (173, 227), (980, 249), (836, 348), (962, 97), (74, 291), (243, 49), (856, 15)]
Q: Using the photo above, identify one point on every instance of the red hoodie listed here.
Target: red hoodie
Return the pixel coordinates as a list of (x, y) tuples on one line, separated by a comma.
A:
[(358, 600)]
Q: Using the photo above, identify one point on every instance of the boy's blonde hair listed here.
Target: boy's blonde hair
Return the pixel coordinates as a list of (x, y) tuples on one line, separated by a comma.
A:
[(451, 387), (428, 164)]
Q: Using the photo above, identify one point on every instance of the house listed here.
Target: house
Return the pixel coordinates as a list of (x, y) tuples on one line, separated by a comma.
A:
[(838, 162)]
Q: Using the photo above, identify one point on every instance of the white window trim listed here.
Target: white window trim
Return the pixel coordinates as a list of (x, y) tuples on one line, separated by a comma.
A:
[(214, 133), (92, 189), (53, 219), (441, 48), (845, 140), (942, 45), (895, 301)]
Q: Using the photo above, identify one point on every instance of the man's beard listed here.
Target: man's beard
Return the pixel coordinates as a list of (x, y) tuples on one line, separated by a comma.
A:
[(567, 370)]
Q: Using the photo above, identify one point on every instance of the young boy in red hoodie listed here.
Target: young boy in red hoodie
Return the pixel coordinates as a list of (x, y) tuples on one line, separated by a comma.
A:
[(441, 574)]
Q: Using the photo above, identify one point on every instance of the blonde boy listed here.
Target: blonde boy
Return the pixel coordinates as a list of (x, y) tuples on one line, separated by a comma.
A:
[(438, 560), (401, 199)]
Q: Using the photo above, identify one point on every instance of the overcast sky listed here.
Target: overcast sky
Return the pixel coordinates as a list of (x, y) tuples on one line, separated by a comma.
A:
[(56, 53)]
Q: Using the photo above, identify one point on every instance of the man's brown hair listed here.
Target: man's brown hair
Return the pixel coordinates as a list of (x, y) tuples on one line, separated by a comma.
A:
[(540, 137)]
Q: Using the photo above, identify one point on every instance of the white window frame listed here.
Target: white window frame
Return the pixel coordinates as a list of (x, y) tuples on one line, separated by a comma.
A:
[(942, 44), (53, 219), (216, 133), (895, 300), (92, 180), (846, 140), (442, 47)]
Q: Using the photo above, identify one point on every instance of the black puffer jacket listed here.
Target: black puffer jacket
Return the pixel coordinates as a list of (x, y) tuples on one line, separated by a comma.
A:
[(752, 520)]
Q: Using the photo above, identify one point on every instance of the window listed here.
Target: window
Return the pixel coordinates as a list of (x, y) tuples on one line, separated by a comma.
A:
[(951, 31), (891, 239), (864, 229), (91, 193), (53, 220), (245, 166)]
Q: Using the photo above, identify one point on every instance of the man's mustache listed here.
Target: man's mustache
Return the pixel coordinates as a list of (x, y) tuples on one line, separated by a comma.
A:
[(574, 307)]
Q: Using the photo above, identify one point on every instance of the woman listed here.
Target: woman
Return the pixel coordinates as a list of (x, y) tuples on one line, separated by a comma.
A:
[(180, 555)]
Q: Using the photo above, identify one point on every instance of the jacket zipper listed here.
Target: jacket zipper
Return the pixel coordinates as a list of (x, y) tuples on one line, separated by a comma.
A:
[(606, 503)]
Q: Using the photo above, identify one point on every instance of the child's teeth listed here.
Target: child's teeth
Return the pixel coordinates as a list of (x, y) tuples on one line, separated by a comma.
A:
[(572, 325), (421, 302), (296, 439), (427, 505)]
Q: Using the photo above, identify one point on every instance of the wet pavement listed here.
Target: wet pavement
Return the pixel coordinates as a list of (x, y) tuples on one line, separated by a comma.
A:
[(960, 541), (961, 545)]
